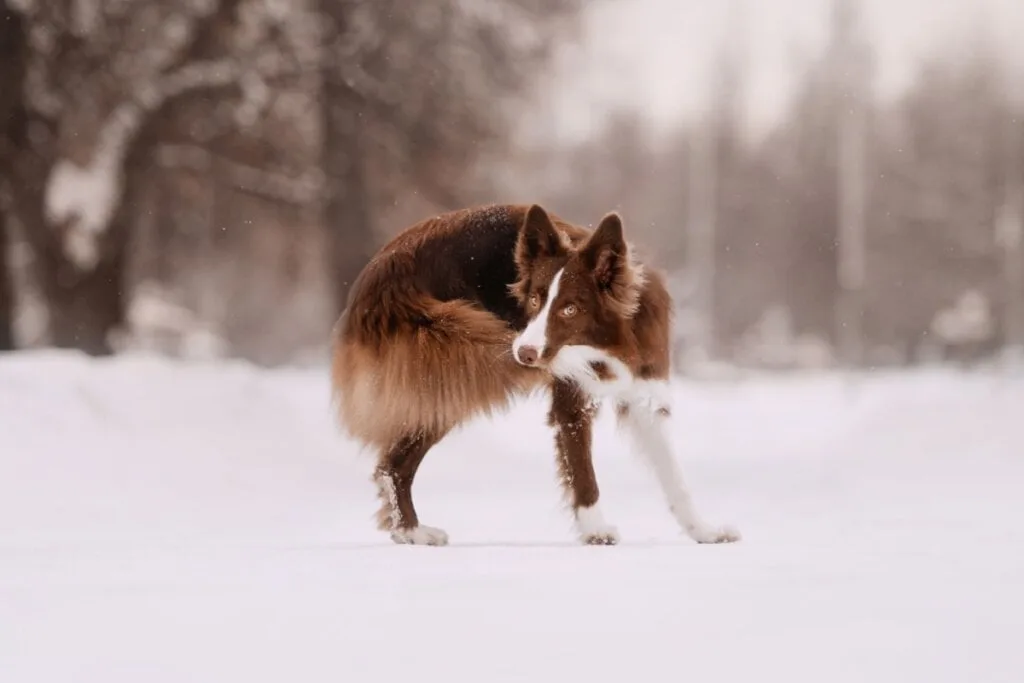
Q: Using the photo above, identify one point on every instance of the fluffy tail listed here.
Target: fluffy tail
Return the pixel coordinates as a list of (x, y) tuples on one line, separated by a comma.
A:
[(407, 363)]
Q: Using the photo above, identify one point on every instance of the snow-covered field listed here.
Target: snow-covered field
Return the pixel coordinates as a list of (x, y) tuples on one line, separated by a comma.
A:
[(179, 522)]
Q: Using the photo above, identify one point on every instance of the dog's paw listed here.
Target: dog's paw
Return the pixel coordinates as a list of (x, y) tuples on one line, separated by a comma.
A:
[(714, 534), (592, 527), (608, 536), (420, 535)]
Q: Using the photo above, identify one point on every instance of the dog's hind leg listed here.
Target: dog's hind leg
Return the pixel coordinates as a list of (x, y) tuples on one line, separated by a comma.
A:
[(394, 476)]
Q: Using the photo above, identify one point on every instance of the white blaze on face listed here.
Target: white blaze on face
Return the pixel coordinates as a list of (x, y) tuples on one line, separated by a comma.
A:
[(535, 334)]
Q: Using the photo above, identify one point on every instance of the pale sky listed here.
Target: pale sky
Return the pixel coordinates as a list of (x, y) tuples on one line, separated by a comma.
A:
[(659, 51)]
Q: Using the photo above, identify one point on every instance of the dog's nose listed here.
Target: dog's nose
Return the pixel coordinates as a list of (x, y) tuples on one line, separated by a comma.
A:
[(528, 355)]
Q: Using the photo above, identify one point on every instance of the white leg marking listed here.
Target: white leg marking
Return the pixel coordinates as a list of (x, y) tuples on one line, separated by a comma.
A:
[(647, 426), (387, 485), (536, 333), (420, 535), (592, 527)]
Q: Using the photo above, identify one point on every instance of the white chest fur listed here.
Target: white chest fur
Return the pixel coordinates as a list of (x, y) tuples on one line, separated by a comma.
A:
[(615, 380)]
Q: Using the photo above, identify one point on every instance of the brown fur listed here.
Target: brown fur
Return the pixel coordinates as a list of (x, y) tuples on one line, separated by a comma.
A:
[(428, 379), (396, 347), (572, 415), (603, 372), (425, 342), (627, 311)]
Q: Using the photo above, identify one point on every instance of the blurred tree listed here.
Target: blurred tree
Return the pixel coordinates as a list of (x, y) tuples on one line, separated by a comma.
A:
[(414, 94), (847, 213), (227, 225), (716, 230), (809, 143), (1009, 227), (97, 77), (934, 201), (350, 36), (851, 66), (611, 170), (203, 110), (6, 294), (12, 73)]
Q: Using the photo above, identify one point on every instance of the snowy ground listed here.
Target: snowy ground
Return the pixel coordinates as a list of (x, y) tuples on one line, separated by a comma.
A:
[(170, 522)]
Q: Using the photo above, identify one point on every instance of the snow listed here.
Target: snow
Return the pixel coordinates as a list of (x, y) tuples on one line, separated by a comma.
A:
[(156, 323), (83, 200), (204, 521)]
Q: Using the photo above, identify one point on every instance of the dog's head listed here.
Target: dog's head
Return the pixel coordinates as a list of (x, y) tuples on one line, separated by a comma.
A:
[(577, 297)]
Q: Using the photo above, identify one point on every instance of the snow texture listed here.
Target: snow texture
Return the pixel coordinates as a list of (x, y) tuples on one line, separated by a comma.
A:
[(205, 522), (83, 200)]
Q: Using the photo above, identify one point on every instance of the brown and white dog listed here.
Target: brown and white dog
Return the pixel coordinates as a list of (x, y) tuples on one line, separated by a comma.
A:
[(463, 311)]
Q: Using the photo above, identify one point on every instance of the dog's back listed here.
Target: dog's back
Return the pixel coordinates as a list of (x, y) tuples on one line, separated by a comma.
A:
[(425, 340)]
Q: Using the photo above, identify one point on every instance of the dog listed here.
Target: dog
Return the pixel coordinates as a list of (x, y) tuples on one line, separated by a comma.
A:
[(462, 312)]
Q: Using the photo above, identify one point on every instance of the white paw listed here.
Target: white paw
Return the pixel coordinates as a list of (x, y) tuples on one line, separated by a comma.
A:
[(606, 536), (592, 527), (713, 534), (420, 535)]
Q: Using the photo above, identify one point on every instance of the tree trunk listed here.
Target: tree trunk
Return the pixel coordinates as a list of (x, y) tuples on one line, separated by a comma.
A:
[(347, 209), (702, 219), (12, 75), (6, 292), (86, 305), (83, 305)]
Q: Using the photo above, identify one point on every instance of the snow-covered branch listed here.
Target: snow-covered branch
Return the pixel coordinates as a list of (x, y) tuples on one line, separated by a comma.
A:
[(136, 54), (82, 199), (298, 191)]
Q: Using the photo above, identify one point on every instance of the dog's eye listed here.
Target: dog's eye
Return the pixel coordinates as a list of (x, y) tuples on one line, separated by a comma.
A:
[(569, 310), (534, 301)]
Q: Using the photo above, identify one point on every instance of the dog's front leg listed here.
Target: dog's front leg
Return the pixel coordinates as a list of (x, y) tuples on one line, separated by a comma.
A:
[(572, 415), (644, 416)]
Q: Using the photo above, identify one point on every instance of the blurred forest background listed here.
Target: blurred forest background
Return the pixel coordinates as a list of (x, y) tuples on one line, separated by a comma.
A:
[(205, 178)]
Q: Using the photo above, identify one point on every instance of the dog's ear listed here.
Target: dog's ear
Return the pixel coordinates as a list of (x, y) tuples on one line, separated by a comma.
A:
[(619, 280), (605, 253), (538, 237)]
